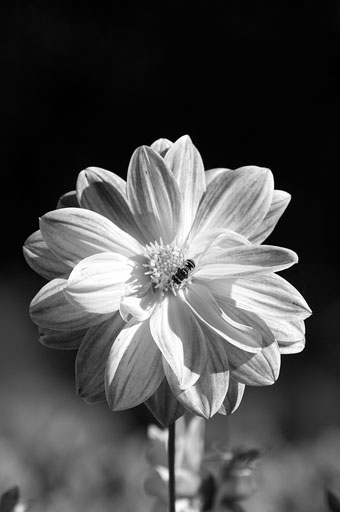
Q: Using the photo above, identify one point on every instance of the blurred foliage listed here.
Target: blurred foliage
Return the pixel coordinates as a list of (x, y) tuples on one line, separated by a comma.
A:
[(63, 459)]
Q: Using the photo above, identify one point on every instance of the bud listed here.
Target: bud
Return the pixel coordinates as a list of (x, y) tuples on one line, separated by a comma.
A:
[(235, 479)]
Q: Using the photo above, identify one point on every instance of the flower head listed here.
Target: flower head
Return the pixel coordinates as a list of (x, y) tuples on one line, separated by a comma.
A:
[(163, 284)]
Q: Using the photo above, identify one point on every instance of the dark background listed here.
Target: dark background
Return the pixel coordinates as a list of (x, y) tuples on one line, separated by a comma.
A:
[(251, 82)]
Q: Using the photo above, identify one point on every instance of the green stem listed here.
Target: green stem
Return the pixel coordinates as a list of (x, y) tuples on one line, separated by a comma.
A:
[(171, 466)]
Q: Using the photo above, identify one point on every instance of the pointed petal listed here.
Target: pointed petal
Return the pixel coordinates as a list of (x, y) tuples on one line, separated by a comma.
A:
[(186, 163), (164, 405), (206, 396), (250, 319), (261, 369), (268, 295), (98, 282), (68, 200), (203, 304), (180, 339), (41, 259), (134, 368), (161, 146), (294, 347), (72, 234), (65, 340), (236, 200), (287, 330), (233, 397), (211, 174), (50, 309), (104, 192), (153, 195), (92, 357), (279, 203), (244, 260)]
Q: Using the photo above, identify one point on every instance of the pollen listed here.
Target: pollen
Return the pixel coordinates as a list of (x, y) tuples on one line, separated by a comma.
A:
[(163, 261)]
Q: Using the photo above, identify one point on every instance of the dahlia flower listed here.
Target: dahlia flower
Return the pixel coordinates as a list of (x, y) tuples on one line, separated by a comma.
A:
[(189, 455), (163, 284)]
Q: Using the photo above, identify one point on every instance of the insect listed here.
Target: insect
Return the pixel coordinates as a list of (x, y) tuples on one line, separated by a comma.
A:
[(183, 272)]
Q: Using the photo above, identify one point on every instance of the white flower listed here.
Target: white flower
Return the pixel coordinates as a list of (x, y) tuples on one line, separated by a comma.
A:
[(163, 283)]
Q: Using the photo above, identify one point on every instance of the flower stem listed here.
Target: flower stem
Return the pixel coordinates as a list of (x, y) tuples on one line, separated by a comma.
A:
[(171, 466)]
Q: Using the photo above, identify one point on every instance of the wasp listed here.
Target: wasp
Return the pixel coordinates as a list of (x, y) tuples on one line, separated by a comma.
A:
[(183, 272)]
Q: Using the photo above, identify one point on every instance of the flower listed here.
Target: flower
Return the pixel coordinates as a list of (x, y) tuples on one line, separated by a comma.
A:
[(163, 285), (189, 454)]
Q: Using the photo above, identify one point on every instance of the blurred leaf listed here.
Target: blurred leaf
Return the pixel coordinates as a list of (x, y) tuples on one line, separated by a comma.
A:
[(333, 500), (9, 499)]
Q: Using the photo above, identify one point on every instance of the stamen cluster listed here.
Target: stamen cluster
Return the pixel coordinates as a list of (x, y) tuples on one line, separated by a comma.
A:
[(163, 262)]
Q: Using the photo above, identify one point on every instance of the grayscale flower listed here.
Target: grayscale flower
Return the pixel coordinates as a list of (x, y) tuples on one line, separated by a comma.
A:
[(163, 284)]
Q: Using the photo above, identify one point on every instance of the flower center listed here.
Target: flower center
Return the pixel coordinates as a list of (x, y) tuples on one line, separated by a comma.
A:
[(165, 263)]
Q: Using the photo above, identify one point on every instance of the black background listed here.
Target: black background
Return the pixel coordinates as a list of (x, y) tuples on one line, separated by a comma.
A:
[(251, 82)]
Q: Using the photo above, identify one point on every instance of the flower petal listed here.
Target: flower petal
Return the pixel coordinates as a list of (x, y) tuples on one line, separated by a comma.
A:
[(65, 340), (211, 174), (153, 195), (164, 405), (203, 244), (161, 146), (236, 200), (245, 260), (50, 309), (233, 397), (250, 319), (294, 347), (134, 368), (206, 396), (139, 307), (68, 200), (41, 259), (279, 203), (98, 282), (92, 358), (287, 330), (208, 247), (261, 369), (203, 304), (72, 234), (104, 192), (180, 339), (265, 294), (186, 163)]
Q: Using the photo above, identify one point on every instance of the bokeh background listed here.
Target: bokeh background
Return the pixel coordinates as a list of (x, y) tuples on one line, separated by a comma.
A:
[(85, 83)]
